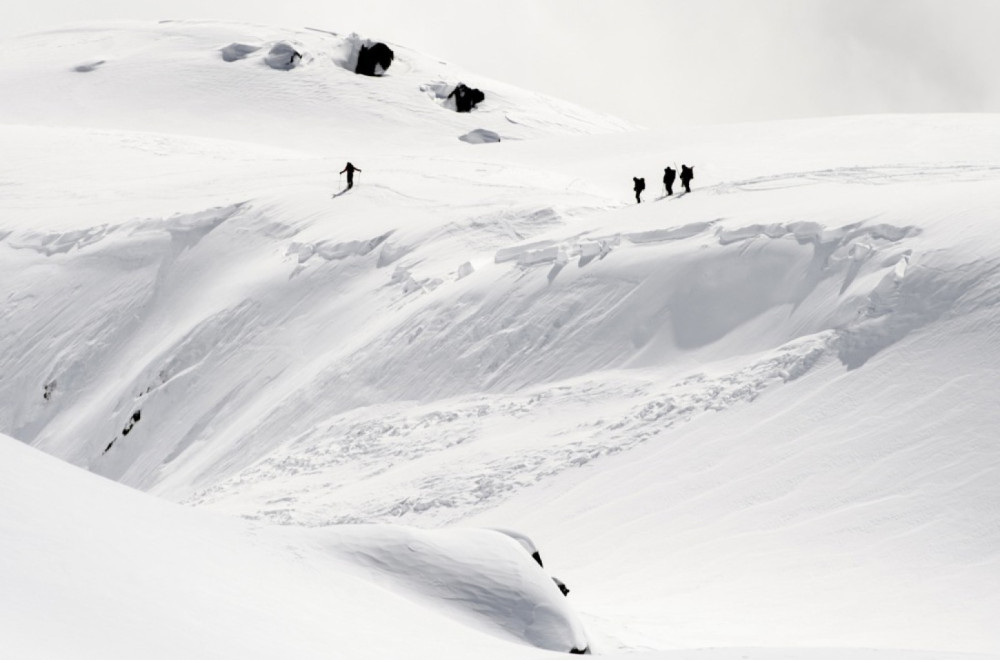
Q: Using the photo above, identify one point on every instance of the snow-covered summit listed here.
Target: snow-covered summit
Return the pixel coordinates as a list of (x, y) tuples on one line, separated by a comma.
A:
[(240, 82)]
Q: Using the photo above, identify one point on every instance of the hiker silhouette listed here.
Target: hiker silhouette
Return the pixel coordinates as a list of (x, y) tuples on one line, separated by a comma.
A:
[(350, 169), (669, 174), (638, 187), (687, 173)]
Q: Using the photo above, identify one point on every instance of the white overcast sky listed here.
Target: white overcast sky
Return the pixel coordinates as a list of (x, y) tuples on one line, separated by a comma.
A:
[(655, 62)]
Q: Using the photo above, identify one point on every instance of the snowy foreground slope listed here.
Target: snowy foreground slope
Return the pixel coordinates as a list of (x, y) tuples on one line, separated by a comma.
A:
[(94, 570), (759, 415)]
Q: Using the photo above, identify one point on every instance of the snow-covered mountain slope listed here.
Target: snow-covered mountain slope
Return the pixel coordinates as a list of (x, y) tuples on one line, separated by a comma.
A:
[(94, 570), (761, 414), (222, 81)]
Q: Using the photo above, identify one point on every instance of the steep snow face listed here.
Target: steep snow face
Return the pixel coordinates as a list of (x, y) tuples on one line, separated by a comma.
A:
[(256, 84), (761, 413)]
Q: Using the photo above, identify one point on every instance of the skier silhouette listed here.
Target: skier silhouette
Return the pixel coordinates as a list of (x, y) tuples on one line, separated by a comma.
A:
[(640, 185), (687, 173), (350, 169), (669, 175)]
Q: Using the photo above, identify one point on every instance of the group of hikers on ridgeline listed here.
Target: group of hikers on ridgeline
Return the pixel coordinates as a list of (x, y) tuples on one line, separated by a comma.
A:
[(669, 174)]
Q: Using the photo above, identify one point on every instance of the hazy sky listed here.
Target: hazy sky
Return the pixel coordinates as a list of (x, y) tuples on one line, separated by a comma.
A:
[(654, 61)]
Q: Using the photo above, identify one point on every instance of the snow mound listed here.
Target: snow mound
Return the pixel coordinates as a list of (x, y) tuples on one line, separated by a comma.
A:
[(480, 136), (236, 51), (283, 56), (87, 67), (481, 573)]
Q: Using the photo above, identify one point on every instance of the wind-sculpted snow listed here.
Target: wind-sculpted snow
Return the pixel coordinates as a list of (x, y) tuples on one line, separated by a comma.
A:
[(670, 234), (480, 574), (111, 573), (52, 243), (327, 251), (283, 56), (385, 444), (685, 298), (761, 413), (236, 51), (911, 296)]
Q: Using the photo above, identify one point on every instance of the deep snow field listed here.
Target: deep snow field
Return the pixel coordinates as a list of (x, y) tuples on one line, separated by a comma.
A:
[(757, 421)]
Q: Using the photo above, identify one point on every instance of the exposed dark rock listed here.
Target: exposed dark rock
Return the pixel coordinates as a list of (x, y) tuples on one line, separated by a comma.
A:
[(466, 97), (374, 60), (128, 427), (562, 586)]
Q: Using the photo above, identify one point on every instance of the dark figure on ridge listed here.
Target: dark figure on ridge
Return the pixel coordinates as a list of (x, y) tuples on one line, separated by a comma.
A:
[(350, 169), (687, 173), (669, 175), (640, 185)]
